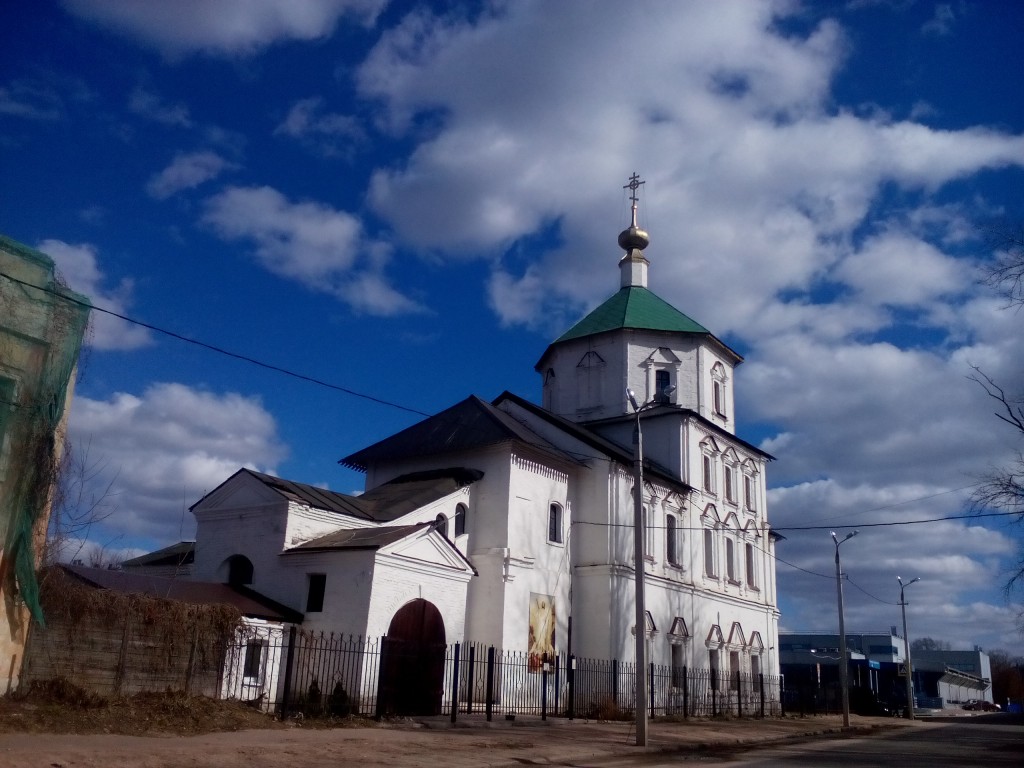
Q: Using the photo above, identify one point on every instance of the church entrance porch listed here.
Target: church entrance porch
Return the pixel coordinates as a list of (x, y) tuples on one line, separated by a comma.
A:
[(412, 661)]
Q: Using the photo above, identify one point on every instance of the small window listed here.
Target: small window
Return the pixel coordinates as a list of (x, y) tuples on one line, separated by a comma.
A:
[(678, 662), (748, 492), (254, 654), (460, 520), (317, 590), (672, 540), (662, 381), (730, 484), (441, 525), (734, 669), (718, 380), (730, 560), (751, 571), (648, 535), (709, 477), (718, 397), (755, 666), (709, 553), (555, 523)]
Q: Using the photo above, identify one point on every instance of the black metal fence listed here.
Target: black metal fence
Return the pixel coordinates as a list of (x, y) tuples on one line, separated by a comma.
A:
[(318, 674)]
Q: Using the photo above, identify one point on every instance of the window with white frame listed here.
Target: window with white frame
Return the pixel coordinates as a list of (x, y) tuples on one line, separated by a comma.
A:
[(730, 559), (672, 539), (730, 483), (755, 667), (749, 502), (662, 381), (750, 569), (460, 519), (708, 473), (709, 553), (555, 523), (718, 382), (734, 670), (255, 658), (648, 533)]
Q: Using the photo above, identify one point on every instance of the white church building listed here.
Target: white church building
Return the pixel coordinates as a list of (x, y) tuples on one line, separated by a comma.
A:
[(512, 524)]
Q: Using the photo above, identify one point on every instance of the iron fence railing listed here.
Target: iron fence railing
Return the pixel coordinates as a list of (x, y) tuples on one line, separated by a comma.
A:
[(314, 673)]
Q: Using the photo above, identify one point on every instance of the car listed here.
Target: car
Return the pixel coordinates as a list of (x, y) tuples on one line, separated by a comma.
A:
[(977, 705)]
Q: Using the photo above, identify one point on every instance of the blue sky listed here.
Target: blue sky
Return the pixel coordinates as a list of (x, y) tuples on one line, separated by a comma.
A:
[(411, 201)]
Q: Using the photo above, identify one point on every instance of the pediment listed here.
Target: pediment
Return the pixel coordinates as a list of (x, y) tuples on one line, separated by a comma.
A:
[(736, 635), (662, 356), (239, 490), (428, 547)]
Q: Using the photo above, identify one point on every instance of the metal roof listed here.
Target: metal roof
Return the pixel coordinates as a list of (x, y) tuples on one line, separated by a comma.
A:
[(182, 553), (469, 424), (633, 307), (248, 601), (360, 538)]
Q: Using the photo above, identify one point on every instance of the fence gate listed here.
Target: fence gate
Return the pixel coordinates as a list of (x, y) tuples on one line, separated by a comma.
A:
[(412, 662)]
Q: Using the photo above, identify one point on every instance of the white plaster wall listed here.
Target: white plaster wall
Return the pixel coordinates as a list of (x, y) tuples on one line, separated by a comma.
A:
[(398, 582), (349, 580)]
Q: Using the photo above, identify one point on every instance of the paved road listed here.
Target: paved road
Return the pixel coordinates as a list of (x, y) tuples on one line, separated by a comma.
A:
[(966, 743)]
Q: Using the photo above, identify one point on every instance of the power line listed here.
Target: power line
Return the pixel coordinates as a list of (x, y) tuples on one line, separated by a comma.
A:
[(219, 350)]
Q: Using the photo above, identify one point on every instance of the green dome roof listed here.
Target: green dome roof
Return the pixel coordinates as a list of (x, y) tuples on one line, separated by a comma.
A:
[(633, 307)]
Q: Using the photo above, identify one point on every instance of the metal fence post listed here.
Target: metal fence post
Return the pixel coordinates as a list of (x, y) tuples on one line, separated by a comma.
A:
[(490, 682), (571, 672), (288, 668), (471, 681), (650, 690), (544, 688), (739, 694), (760, 685), (686, 694), (714, 692), (455, 682), (615, 682)]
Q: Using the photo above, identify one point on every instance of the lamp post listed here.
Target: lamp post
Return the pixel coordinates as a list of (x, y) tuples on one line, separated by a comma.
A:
[(638, 564), (844, 685), (906, 639)]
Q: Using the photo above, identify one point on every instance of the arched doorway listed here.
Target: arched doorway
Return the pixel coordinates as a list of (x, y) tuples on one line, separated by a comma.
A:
[(412, 661)]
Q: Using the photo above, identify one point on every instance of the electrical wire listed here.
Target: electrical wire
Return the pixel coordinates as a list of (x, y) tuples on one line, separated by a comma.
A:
[(220, 350)]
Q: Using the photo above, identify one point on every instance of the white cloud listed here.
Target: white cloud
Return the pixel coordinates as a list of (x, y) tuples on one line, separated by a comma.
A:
[(941, 22), (78, 265), (165, 448), (187, 171), (31, 101), (321, 248), (150, 106), (307, 120), (226, 27)]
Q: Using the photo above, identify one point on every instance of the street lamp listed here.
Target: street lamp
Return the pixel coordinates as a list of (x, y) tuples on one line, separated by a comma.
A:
[(844, 685), (906, 639), (638, 557)]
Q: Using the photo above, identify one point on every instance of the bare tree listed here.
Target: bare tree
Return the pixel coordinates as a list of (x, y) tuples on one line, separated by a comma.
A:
[(1002, 487), (1006, 274), (82, 498)]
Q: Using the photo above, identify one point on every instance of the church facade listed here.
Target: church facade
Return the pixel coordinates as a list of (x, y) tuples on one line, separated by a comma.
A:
[(512, 524)]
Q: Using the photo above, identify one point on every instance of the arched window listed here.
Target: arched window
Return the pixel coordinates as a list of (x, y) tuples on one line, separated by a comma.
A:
[(718, 382), (555, 523), (460, 519), (239, 570), (441, 525)]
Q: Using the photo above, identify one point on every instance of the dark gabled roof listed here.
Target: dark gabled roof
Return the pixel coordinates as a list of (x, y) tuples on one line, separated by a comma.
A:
[(637, 308), (600, 443), (360, 538), (370, 539), (182, 553), (249, 602), (469, 424), (320, 498), (407, 493)]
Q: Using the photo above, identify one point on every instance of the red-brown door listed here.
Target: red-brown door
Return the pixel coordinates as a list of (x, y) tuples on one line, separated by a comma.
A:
[(412, 661)]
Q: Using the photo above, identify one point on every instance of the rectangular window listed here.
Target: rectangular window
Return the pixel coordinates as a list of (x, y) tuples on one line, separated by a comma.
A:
[(671, 540), (734, 670), (730, 560), (709, 552), (555, 523), (317, 589), (751, 571), (730, 484), (755, 667), (677, 665), (254, 658), (648, 536), (748, 492), (709, 481)]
